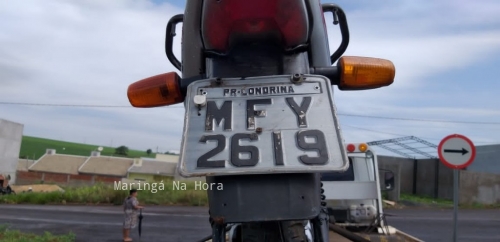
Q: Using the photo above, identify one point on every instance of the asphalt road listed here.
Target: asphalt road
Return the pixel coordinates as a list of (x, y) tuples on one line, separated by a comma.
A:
[(185, 224), (436, 225)]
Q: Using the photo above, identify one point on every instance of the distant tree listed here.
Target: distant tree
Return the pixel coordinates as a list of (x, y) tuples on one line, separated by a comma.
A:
[(167, 153), (122, 150), (149, 151)]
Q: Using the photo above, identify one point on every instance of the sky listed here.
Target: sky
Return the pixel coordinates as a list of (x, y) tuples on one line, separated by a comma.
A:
[(446, 54)]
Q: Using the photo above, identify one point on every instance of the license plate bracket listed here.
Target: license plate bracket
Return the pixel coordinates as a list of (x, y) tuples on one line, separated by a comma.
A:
[(261, 125)]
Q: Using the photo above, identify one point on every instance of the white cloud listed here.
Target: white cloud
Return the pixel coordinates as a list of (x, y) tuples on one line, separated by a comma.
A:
[(422, 40), (88, 52), (98, 46)]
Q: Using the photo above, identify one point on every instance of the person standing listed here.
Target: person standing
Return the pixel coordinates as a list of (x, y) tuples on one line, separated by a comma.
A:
[(130, 208)]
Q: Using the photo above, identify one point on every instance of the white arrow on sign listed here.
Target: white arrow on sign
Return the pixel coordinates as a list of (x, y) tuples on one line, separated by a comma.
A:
[(456, 151)]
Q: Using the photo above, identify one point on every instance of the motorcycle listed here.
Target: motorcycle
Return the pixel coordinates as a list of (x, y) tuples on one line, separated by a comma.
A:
[(260, 122), (5, 188)]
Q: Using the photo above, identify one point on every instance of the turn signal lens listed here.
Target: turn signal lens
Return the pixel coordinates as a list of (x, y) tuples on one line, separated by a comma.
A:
[(363, 147), (360, 73), (156, 91)]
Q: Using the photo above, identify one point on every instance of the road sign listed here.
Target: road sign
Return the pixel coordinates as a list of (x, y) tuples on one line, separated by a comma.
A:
[(456, 151)]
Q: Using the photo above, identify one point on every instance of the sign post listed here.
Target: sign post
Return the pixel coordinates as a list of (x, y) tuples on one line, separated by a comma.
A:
[(456, 152)]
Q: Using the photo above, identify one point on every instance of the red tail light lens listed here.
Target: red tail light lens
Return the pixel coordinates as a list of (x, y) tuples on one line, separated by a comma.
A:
[(351, 148), (223, 20)]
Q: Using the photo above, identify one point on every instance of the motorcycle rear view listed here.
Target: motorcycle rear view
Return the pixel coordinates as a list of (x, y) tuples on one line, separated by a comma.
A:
[(260, 121)]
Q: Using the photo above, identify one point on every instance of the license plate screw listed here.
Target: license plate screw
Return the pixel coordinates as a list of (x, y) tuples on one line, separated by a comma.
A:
[(297, 78), (200, 100)]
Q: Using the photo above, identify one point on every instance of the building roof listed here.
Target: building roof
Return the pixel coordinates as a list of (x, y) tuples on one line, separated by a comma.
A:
[(65, 164), (154, 167), (107, 165), (167, 157), (24, 164)]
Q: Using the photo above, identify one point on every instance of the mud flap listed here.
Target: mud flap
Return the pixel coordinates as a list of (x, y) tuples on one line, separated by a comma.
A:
[(258, 198)]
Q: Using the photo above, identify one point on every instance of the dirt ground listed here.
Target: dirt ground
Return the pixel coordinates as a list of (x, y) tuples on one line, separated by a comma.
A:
[(36, 188)]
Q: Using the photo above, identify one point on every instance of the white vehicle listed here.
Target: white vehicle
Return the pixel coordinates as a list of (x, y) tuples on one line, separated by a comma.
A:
[(354, 197)]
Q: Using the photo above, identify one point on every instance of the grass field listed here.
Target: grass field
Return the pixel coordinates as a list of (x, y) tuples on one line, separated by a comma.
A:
[(8, 235), (109, 194), (34, 148)]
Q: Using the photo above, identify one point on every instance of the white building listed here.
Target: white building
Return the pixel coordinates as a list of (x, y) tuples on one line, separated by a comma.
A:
[(11, 135), (167, 158)]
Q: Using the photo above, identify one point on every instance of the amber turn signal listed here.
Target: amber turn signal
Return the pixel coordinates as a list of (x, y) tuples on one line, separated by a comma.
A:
[(363, 147), (360, 73), (156, 91)]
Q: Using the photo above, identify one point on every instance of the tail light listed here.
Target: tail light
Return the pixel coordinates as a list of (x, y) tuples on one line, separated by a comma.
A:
[(227, 20), (359, 73), (352, 148), (160, 90)]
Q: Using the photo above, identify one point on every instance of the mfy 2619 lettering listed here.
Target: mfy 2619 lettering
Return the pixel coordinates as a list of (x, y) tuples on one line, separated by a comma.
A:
[(215, 115)]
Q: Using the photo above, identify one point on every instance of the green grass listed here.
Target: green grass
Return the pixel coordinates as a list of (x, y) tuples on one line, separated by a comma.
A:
[(425, 200), (8, 235), (481, 206), (34, 148), (107, 194)]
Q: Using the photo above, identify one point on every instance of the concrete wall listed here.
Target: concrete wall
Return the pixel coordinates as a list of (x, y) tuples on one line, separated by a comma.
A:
[(11, 135), (487, 159), (426, 177), (33, 177), (445, 182), (406, 170), (479, 187), (475, 187), (426, 181), (395, 193)]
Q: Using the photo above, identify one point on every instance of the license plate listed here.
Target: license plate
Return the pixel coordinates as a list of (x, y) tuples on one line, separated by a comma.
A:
[(261, 125)]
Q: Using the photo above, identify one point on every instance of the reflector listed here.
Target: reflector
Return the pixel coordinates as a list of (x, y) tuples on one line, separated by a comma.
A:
[(351, 148), (359, 73), (156, 91), (363, 147)]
